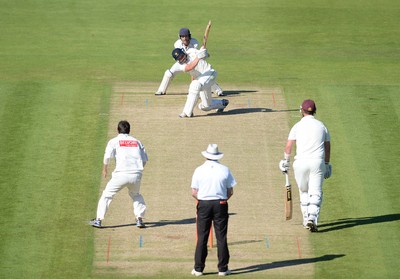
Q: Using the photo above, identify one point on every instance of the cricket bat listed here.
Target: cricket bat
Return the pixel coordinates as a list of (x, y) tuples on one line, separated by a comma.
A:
[(288, 198), (206, 32)]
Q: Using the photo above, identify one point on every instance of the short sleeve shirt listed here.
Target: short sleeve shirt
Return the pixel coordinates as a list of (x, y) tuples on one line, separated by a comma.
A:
[(202, 66), (129, 154), (193, 44), (310, 135), (212, 181)]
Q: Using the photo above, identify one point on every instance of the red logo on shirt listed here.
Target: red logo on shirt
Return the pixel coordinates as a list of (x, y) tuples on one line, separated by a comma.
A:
[(128, 143)]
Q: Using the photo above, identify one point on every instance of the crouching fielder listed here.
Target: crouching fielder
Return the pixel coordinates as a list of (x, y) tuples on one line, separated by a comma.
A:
[(130, 159), (203, 77), (311, 163)]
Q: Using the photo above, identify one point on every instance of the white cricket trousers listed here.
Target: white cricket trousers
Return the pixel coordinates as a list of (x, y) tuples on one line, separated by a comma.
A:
[(309, 175), (117, 182)]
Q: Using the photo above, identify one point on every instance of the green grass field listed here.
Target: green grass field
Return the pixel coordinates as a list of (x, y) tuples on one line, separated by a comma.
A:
[(60, 59)]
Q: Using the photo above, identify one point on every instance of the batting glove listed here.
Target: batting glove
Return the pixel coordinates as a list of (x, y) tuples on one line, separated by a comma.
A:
[(284, 165), (202, 53), (328, 170)]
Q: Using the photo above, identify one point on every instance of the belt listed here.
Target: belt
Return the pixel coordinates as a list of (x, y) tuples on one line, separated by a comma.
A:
[(221, 201)]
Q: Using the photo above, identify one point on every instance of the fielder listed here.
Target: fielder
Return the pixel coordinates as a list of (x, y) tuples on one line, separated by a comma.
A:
[(203, 77), (131, 157), (184, 42), (311, 163)]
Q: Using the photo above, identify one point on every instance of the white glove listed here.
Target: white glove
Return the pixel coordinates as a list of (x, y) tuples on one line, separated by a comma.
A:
[(284, 165), (202, 53), (328, 170)]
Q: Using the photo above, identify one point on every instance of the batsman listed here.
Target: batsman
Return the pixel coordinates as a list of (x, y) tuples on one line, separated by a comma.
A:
[(311, 163), (185, 42)]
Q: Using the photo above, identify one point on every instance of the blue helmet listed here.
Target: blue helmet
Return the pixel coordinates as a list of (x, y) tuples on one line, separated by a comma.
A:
[(179, 55)]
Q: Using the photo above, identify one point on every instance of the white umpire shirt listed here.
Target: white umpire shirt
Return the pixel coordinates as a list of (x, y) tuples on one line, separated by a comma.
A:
[(310, 135), (212, 180), (129, 153)]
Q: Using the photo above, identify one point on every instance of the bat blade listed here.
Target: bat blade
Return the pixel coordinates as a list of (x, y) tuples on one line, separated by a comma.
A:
[(288, 198), (206, 32)]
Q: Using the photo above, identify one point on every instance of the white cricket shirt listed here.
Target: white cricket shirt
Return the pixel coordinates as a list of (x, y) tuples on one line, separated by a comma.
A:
[(201, 67), (129, 154), (310, 135), (193, 44)]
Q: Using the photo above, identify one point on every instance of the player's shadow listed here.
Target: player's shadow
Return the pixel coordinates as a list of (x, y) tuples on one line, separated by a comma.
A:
[(237, 92), (234, 111), (260, 267), (346, 223), (160, 223)]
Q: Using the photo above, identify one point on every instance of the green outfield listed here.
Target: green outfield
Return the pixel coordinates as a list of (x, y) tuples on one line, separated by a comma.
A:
[(70, 69)]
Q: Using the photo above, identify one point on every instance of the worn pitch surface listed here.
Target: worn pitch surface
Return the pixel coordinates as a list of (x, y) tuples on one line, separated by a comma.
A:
[(251, 133)]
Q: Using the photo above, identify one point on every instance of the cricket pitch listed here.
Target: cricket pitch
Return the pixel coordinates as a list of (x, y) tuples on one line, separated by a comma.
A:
[(251, 133)]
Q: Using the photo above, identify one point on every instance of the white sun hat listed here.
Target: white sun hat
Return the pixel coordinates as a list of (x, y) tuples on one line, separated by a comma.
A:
[(212, 152)]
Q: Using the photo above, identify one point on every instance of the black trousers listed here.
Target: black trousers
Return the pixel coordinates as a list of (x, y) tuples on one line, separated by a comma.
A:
[(208, 212)]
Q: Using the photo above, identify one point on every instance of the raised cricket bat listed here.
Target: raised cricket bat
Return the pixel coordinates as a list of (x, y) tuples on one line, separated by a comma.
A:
[(206, 32), (288, 198)]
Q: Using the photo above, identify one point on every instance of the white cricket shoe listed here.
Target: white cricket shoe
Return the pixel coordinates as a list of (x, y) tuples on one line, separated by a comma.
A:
[(184, 115), (139, 223), (159, 93), (225, 273), (196, 273), (95, 223)]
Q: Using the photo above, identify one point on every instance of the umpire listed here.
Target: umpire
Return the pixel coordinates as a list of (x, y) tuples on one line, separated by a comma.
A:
[(212, 186)]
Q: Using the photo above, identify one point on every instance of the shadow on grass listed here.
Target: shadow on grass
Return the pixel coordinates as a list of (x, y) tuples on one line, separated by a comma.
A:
[(226, 93), (260, 267), (244, 111), (237, 92), (353, 222), (160, 223)]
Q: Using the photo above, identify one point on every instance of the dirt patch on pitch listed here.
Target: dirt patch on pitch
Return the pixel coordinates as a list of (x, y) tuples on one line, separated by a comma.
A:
[(252, 133)]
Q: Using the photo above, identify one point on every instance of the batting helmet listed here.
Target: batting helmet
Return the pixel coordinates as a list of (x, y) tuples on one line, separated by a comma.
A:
[(179, 55), (185, 32)]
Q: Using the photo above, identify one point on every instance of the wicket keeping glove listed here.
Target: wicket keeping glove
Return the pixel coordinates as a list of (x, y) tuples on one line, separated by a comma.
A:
[(284, 165), (328, 170)]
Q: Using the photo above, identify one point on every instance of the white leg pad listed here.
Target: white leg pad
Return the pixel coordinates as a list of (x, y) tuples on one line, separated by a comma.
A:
[(167, 78), (206, 100), (314, 207), (192, 97), (216, 89)]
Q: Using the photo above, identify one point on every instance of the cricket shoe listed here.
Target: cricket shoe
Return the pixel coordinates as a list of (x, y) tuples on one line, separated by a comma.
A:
[(225, 273), (311, 226), (196, 273), (139, 223), (184, 115), (159, 93), (95, 223), (225, 103), (219, 93)]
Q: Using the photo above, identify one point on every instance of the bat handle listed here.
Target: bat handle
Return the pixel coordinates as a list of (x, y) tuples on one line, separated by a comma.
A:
[(287, 178)]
